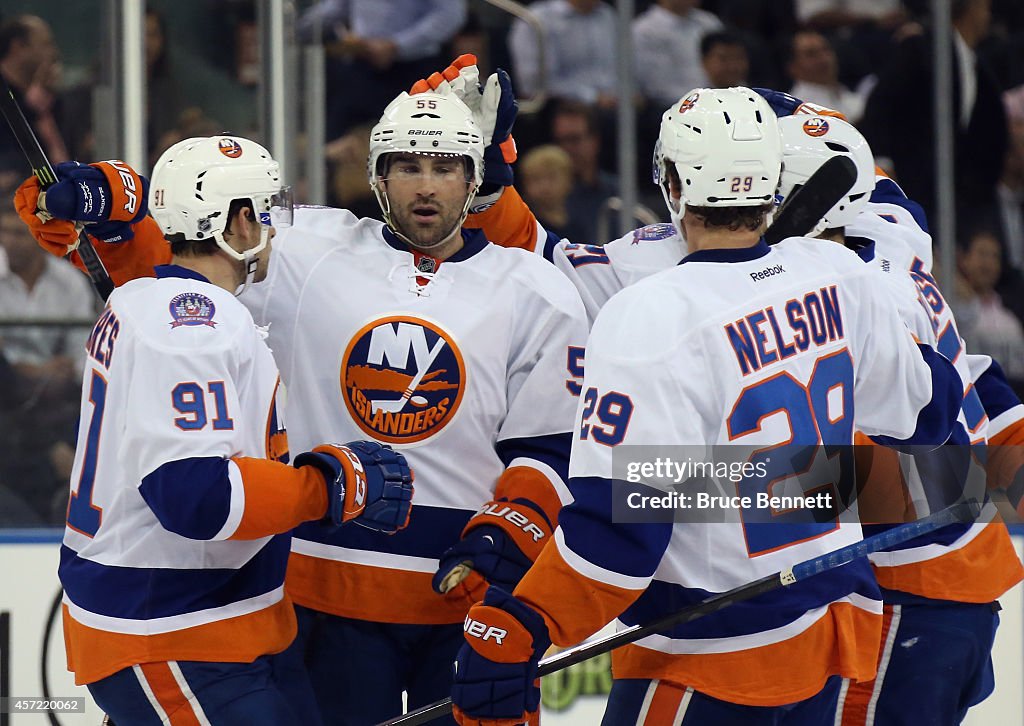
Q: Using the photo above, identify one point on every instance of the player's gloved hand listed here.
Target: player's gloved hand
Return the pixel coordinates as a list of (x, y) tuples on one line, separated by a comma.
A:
[(496, 669), (367, 483), (107, 197), (784, 104), (57, 236), (494, 109), (500, 543)]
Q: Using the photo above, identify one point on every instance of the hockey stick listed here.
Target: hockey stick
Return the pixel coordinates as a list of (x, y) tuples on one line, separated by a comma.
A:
[(805, 207), (964, 511), (47, 177)]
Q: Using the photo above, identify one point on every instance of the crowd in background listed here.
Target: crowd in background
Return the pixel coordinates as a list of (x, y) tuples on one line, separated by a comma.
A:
[(870, 59)]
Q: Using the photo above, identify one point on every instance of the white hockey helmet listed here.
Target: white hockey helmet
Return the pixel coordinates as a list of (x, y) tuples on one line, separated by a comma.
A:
[(425, 123), (810, 141), (195, 181), (724, 145)]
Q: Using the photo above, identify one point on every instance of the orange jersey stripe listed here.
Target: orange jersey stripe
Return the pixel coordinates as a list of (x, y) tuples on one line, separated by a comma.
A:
[(844, 641), (168, 694), (94, 654), (979, 572), (508, 223), (364, 592)]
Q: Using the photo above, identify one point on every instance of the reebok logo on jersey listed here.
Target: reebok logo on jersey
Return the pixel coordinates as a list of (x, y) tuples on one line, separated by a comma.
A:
[(767, 272), (485, 632), (402, 379)]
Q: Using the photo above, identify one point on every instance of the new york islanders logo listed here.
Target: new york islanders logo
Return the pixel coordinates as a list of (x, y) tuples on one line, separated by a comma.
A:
[(815, 127), (689, 102), (402, 379), (192, 308), (230, 148)]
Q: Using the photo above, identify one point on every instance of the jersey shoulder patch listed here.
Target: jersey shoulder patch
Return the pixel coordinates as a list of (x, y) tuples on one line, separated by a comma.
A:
[(661, 230)]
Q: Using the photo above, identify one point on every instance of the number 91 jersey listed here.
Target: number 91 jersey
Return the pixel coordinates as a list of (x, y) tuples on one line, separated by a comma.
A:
[(176, 373)]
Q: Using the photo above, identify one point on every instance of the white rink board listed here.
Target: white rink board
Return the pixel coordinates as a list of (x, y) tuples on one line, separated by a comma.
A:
[(28, 573)]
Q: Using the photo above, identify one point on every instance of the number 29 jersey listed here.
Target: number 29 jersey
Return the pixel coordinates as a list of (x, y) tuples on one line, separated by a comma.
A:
[(765, 348)]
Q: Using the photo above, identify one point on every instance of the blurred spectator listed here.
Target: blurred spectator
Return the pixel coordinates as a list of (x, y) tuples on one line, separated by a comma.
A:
[(30, 64), (833, 14), (347, 156), (898, 117), (725, 60), (814, 69), (1011, 184), (862, 31), (760, 24), (39, 433), (985, 322), (575, 128), (376, 49), (545, 179), (580, 51), (666, 45)]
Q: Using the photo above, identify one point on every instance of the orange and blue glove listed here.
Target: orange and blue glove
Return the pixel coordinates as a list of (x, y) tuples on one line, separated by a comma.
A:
[(367, 483), (500, 543), (495, 681), (107, 198), (494, 108)]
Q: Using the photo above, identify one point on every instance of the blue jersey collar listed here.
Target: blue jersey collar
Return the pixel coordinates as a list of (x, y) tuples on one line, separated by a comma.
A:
[(864, 247), (473, 241), (734, 254), (163, 271)]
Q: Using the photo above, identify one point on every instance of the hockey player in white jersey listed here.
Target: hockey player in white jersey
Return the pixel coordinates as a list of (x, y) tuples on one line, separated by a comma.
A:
[(739, 343), (421, 334), (940, 590), (173, 561)]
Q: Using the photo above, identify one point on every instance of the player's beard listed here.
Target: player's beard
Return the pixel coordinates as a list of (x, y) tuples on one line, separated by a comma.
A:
[(427, 235)]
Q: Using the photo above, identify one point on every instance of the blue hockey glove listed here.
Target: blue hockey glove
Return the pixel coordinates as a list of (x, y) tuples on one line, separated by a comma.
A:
[(500, 543), (367, 483), (496, 668), (108, 197)]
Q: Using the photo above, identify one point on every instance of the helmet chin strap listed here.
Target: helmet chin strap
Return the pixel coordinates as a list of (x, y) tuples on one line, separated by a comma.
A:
[(251, 260)]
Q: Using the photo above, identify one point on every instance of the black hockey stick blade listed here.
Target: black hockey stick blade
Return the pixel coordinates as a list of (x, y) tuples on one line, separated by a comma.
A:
[(805, 207), (43, 170), (964, 511)]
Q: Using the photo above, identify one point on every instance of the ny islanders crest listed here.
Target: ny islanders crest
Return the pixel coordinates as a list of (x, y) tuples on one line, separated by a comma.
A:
[(402, 379)]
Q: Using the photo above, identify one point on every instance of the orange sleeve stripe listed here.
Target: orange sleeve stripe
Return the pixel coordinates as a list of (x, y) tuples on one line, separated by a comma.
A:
[(525, 482), (278, 497), (508, 223), (573, 605), (1012, 435), (94, 654), (133, 259)]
